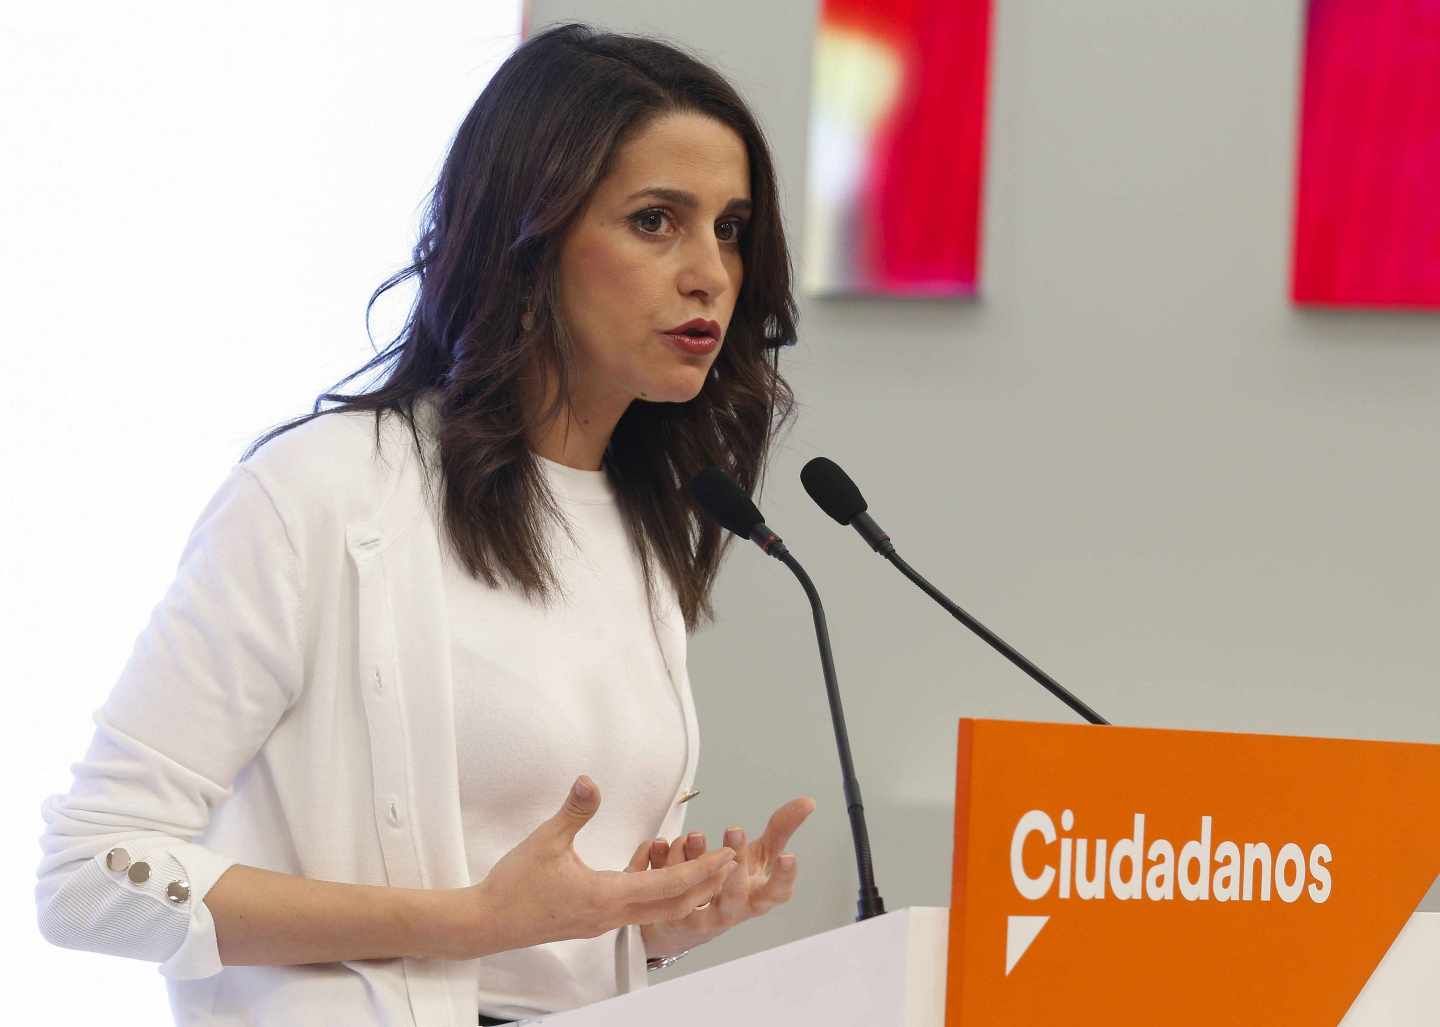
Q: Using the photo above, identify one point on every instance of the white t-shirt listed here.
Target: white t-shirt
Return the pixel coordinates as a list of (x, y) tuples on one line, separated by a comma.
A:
[(545, 692)]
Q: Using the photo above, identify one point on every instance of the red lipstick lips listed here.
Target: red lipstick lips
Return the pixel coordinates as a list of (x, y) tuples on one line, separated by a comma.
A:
[(696, 326), (696, 337)]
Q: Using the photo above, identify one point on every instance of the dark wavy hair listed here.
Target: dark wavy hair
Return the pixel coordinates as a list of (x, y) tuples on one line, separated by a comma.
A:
[(519, 171)]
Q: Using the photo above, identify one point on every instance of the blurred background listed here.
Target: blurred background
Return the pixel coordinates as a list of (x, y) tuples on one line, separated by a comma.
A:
[(197, 202), (1124, 447)]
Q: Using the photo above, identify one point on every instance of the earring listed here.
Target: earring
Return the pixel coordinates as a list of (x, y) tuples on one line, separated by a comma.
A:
[(527, 313)]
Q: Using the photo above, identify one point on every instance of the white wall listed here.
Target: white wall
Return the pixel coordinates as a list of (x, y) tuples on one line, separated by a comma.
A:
[(196, 201), (1188, 501)]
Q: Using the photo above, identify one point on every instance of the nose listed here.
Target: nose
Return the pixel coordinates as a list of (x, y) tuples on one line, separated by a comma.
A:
[(704, 274)]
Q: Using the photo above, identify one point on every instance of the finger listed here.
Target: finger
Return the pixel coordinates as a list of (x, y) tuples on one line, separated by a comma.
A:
[(781, 886), (784, 822), (733, 902), (730, 877), (659, 852), (641, 859), (734, 878), (696, 906), (679, 846), (671, 882), (580, 805), (735, 839), (694, 845)]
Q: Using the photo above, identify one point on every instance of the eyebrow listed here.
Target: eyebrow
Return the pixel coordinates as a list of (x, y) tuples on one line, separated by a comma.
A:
[(681, 198)]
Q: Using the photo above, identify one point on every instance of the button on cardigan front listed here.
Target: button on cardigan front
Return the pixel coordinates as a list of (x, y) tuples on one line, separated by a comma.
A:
[(288, 706)]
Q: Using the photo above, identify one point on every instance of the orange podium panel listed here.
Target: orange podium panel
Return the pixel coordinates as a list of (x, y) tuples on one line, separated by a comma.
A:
[(1111, 875)]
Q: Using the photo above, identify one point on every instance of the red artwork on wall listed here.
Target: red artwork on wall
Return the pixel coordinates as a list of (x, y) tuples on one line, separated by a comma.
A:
[(1367, 214), (897, 142)]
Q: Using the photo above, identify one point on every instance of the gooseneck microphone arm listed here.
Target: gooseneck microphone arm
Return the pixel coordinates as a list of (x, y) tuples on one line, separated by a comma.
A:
[(997, 643), (870, 903), (838, 496), (726, 503)]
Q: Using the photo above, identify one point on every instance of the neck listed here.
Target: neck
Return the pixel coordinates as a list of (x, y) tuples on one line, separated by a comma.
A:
[(578, 435)]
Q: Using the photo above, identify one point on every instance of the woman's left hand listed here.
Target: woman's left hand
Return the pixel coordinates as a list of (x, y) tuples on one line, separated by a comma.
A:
[(762, 877)]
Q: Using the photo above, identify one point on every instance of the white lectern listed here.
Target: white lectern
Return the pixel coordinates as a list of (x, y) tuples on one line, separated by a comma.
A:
[(890, 972)]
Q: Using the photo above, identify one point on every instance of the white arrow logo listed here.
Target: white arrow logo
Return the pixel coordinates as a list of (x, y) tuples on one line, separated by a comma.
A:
[(1019, 933)]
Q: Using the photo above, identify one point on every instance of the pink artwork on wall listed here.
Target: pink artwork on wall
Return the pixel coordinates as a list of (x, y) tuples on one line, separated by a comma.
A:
[(1367, 213), (897, 145)]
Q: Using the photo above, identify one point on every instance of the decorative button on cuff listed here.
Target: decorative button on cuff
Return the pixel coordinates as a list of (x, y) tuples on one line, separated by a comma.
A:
[(688, 796), (117, 859), (140, 872), (177, 891)]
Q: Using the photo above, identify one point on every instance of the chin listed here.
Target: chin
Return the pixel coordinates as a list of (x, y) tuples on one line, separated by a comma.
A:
[(678, 388)]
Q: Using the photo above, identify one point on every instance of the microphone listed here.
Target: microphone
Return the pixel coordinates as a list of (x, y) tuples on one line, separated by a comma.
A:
[(838, 496), (726, 503), (728, 506)]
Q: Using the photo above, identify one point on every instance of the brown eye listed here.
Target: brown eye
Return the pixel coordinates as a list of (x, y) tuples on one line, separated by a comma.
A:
[(736, 226), (650, 222)]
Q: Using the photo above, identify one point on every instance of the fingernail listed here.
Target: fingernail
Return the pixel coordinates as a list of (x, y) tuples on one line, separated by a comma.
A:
[(583, 788)]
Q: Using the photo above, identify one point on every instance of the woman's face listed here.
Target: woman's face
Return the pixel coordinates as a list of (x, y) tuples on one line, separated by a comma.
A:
[(656, 248)]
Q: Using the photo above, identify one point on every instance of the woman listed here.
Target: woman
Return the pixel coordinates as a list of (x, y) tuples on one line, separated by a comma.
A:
[(478, 573)]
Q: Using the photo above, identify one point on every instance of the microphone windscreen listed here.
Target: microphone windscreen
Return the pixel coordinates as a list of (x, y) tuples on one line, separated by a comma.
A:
[(725, 501), (832, 489)]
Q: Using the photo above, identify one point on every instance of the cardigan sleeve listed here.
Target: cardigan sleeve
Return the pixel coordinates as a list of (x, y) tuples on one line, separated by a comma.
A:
[(211, 674)]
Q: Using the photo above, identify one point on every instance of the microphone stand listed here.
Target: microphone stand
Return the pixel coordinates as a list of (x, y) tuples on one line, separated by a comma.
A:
[(870, 903)]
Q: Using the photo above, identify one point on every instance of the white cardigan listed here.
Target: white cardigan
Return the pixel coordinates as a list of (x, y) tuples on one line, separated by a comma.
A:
[(289, 706)]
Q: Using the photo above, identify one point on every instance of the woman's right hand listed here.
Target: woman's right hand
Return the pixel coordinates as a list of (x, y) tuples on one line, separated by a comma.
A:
[(541, 891)]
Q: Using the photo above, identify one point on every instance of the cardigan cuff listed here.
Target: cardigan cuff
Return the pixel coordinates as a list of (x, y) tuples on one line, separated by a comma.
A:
[(199, 954)]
